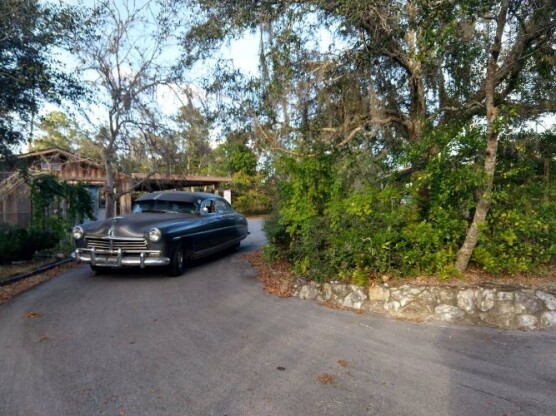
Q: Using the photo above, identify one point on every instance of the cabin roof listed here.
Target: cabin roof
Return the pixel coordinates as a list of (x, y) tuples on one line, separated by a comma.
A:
[(141, 181), (53, 151)]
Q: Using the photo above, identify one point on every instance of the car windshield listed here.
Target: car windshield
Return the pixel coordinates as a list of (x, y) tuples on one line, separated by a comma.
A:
[(165, 206)]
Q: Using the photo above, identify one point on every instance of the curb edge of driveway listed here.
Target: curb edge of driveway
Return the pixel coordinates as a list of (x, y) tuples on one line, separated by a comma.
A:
[(46, 267)]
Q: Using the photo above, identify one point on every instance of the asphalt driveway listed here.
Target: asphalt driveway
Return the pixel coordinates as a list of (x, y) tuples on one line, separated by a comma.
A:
[(213, 343)]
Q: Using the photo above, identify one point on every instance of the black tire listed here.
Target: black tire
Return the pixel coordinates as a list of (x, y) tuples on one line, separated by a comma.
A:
[(177, 263), (99, 269)]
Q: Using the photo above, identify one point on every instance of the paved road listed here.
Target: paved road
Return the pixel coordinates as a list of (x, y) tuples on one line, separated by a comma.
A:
[(212, 343)]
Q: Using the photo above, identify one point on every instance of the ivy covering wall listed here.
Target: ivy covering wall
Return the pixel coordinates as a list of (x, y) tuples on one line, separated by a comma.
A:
[(56, 207)]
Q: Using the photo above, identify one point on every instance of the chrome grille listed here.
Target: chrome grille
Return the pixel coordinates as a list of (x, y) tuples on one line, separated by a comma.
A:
[(125, 244)]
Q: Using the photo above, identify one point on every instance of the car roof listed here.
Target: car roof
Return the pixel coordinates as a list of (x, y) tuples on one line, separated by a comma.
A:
[(177, 196)]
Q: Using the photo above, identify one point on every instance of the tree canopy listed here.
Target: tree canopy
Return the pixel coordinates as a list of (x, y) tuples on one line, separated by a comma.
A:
[(30, 74), (123, 56)]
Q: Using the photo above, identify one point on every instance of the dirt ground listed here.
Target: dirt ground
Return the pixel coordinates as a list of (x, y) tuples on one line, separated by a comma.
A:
[(9, 270), (10, 291), (477, 277), (277, 278)]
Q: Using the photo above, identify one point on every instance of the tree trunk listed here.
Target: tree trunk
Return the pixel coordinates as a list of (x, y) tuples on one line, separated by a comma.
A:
[(483, 205), (110, 208)]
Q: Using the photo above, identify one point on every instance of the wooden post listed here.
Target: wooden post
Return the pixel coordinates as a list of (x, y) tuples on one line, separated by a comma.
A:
[(125, 199)]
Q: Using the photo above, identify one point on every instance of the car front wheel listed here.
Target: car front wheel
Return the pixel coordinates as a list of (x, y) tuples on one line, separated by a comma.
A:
[(177, 263), (99, 269)]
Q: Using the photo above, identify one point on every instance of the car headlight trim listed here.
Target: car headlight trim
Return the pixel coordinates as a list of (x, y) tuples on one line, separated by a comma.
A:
[(77, 232), (154, 235)]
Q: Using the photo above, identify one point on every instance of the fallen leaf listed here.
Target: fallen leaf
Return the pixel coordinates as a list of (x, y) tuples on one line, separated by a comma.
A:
[(326, 378), (33, 315)]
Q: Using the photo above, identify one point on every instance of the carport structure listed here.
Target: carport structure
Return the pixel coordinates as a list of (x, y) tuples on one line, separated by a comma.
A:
[(15, 205), (156, 182)]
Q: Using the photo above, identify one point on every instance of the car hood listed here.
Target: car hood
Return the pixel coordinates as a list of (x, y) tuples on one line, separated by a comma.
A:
[(136, 225)]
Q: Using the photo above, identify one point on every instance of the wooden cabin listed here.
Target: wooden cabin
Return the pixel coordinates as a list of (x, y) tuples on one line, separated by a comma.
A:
[(15, 203)]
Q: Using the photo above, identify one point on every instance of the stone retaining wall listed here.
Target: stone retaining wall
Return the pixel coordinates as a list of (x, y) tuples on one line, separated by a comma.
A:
[(507, 307)]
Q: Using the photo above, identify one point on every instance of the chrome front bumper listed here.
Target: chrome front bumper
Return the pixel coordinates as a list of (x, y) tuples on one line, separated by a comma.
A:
[(119, 258)]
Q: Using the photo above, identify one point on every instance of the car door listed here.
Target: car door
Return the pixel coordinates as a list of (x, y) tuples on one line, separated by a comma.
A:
[(214, 227), (227, 219)]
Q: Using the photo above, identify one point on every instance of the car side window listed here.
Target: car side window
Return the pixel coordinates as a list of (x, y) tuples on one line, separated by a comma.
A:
[(209, 205), (222, 206), (143, 206)]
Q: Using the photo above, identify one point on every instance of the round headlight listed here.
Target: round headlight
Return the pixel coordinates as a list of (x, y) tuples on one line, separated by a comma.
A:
[(154, 235), (77, 232)]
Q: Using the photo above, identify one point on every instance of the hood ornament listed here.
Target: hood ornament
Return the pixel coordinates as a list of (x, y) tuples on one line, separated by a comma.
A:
[(111, 230)]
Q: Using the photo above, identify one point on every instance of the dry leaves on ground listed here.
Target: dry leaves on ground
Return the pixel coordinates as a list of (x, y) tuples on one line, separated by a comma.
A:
[(8, 270), (276, 277), (326, 378), (332, 305), (10, 291)]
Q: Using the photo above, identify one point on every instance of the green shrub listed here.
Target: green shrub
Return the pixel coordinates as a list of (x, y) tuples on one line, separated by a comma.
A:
[(251, 195), (329, 227), (18, 244), (275, 231), (518, 237)]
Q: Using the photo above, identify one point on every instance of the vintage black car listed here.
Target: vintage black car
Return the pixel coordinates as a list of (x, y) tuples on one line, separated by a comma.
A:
[(165, 229)]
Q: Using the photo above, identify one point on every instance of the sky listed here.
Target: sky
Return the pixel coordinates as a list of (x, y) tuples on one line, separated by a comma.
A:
[(242, 52)]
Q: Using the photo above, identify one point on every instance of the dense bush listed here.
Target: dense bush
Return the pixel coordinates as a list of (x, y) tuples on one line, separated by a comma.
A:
[(328, 225), (19, 244), (250, 195), (57, 206)]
